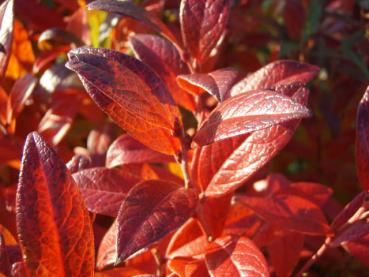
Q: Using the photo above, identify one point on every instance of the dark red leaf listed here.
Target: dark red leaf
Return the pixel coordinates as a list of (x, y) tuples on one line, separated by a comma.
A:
[(104, 189), (246, 113), (126, 150), (203, 23), (294, 17), (350, 210), (289, 212), (54, 228), (362, 141), (351, 232), (151, 210), (284, 250), (6, 33), (278, 73), (127, 8), (313, 192), (234, 256), (131, 93), (19, 94), (163, 57), (217, 83), (253, 153), (359, 249)]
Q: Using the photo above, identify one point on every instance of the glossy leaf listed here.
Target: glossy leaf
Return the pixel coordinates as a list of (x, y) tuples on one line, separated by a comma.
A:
[(54, 227), (203, 23), (217, 83), (103, 189), (127, 8), (289, 212), (6, 33), (126, 150), (362, 141), (253, 153), (246, 113), (235, 256), (138, 102), (151, 210), (163, 57), (278, 73)]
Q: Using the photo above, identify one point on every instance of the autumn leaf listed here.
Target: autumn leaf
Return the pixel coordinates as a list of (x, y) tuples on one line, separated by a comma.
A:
[(235, 256), (151, 210), (246, 113), (217, 83), (126, 150), (54, 227), (127, 8), (164, 58), (103, 189), (203, 23), (275, 74), (139, 102)]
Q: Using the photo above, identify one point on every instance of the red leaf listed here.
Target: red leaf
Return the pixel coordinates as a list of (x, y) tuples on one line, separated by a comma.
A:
[(203, 23), (107, 253), (316, 193), (289, 212), (284, 250), (131, 93), (127, 8), (236, 257), (188, 241), (54, 227), (246, 113), (278, 73), (362, 141), (351, 232), (103, 189), (252, 154), (360, 249), (350, 210), (59, 118), (217, 83), (126, 150), (294, 17), (151, 210), (19, 94), (209, 158), (6, 33), (163, 57)]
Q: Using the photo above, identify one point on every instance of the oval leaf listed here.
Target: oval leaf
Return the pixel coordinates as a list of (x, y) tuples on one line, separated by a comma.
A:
[(246, 113), (131, 94), (276, 74), (126, 150), (104, 189), (151, 210), (163, 57), (54, 227), (234, 256), (203, 23)]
